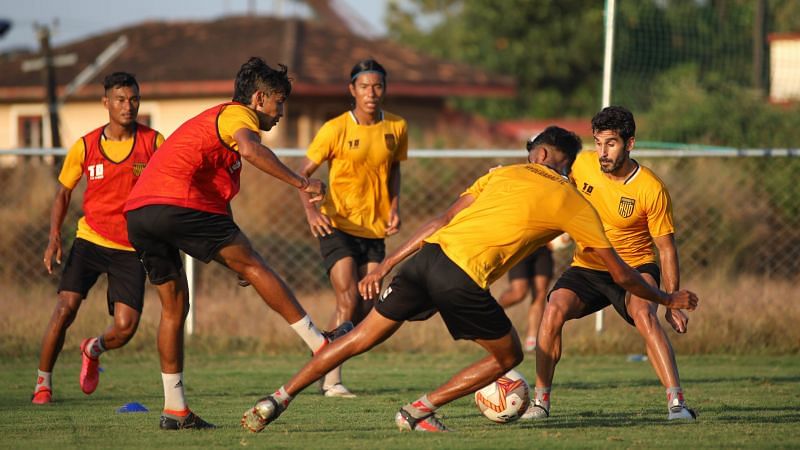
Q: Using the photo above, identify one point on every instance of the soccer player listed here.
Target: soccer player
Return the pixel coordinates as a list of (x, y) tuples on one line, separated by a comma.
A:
[(500, 219), (112, 158), (636, 211), (182, 202), (363, 148)]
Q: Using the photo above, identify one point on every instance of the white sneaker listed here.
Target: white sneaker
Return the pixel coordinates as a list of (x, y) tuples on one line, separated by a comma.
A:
[(536, 410), (681, 413), (338, 390)]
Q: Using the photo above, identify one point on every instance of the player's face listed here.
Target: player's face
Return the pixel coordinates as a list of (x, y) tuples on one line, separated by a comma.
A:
[(122, 103), (612, 151), (368, 90), (269, 109)]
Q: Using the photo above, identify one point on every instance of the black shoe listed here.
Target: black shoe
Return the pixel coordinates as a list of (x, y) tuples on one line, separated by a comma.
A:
[(191, 421), (339, 331)]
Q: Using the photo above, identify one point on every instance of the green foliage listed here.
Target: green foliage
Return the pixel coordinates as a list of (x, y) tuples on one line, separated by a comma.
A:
[(687, 109), (554, 50)]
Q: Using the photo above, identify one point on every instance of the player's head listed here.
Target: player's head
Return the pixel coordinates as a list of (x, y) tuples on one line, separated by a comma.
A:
[(614, 132), (263, 89), (367, 85), (121, 98), (554, 147)]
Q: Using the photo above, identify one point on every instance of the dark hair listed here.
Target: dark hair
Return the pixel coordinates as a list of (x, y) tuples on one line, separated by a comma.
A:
[(562, 140), (255, 75), (119, 79), (367, 65), (617, 119)]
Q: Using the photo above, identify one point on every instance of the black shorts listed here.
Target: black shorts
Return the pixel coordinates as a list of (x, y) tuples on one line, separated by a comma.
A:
[(431, 282), (596, 289), (540, 262), (86, 261), (158, 232), (339, 244)]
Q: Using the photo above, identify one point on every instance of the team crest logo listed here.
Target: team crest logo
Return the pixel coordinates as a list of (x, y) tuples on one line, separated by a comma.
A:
[(138, 168), (626, 206), (390, 141)]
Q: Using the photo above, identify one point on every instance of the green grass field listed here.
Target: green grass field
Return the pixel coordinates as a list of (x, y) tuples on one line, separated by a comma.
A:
[(598, 401)]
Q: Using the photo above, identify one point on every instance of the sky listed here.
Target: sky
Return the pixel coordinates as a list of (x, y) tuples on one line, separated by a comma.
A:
[(76, 19)]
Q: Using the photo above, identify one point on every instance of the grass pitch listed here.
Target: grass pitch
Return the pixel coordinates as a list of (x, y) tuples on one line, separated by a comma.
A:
[(598, 401)]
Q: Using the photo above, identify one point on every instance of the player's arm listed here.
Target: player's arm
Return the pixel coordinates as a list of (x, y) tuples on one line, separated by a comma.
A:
[(57, 215), (633, 282), (319, 223), (257, 154), (670, 277), (370, 285), (394, 197)]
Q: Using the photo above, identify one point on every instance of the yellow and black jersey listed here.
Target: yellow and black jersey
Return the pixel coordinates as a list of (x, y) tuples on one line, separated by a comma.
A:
[(633, 211), (73, 169), (516, 210), (360, 158)]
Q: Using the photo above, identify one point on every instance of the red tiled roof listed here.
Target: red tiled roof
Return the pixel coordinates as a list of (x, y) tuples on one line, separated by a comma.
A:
[(201, 59)]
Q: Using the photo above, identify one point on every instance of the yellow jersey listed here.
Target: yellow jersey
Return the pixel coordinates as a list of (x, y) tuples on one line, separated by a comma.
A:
[(633, 211), (72, 171), (516, 210), (360, 158)]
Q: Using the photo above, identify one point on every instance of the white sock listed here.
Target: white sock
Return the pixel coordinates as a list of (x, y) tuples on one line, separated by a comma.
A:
[(43, 380), (674, 397), (309, 333), (174, 399), (96, 347), (332, 377), (282, 397), (542, 396), (421, 407)]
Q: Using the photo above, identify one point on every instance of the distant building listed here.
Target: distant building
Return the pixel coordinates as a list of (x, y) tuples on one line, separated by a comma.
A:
[(784, 56), (185, 67)]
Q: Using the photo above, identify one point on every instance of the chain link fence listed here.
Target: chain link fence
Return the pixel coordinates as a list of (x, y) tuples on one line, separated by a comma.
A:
[(735, 214)]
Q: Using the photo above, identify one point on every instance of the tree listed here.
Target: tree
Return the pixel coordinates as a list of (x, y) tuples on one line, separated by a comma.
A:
[(553, 49)]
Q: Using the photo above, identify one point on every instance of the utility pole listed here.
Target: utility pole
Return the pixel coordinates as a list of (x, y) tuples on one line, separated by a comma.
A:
[(49, 80)]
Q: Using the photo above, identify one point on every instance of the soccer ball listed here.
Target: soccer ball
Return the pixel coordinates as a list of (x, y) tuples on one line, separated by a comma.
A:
[(504, 399)]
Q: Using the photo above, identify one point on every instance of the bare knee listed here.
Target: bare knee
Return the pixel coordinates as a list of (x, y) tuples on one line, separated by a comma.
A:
[(67, 308), (126, 326), (645, 320)]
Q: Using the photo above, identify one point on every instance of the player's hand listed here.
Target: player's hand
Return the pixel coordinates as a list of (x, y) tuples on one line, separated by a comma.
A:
[(319, 223), (316, 188), (394, 223), (492, 169), (683, 299), (53, 249), (678, 319), (370, 286)]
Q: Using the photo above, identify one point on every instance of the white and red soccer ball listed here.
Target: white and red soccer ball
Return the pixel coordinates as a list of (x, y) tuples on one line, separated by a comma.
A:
[(505, 399)]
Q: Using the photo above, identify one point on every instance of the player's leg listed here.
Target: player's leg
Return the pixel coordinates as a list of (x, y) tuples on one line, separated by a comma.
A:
[(518, 283), (563, 305), (370, 332), (536, 310), (239, 256), (469, 312), (125, 296), (344, 280), (542, 274), (151, 230), (659, 351), (80, 273), (64, 314)]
